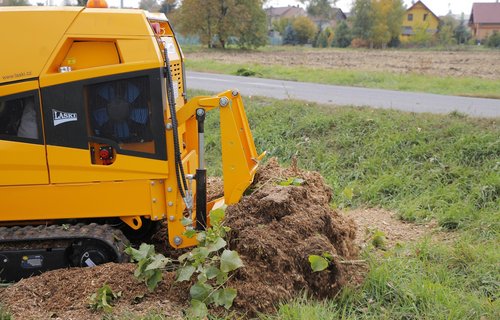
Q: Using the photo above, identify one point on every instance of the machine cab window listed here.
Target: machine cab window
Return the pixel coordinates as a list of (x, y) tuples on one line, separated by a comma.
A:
[(19, 118)]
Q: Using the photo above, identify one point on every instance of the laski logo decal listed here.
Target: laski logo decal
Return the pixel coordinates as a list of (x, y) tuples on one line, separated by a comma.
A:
[(62, 117)]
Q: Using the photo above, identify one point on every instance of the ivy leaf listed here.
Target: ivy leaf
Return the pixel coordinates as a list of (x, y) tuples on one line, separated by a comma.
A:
[(200, 291), (217, 215), (297, 182), (229, 261), (201, 236), (104, 302), (217, 245), (185, 273), (197, 310), (286, 183), (103, 299), (224, 297), (200, 253), (153, 281), (202, 277), (212, 272), (159, 262), (130, 252), (144, 251), (184, 257), (318, 263), (138, 272), (328, 256), (147, 249), (221, 278), (292, 182), (189, 233), (186, 222)]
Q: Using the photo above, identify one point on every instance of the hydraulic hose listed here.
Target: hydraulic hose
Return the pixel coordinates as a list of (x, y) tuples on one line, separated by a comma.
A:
[(181, 177)]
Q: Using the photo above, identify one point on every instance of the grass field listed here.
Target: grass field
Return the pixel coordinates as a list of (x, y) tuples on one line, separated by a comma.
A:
[(469, 87), (468, 73), (425, 167)]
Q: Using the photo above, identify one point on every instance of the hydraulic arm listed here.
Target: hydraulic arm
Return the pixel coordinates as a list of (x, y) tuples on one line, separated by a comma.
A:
[(239, 156)]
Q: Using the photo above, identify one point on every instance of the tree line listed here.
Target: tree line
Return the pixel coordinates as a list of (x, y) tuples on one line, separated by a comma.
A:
[(372, 23)]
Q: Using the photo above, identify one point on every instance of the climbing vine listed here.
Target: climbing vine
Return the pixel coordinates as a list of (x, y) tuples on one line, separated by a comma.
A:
[(208, 265)]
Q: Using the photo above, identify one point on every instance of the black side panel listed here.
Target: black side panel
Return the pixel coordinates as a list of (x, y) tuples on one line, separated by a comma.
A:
[(158, 122), (60, 103), (66, 119)]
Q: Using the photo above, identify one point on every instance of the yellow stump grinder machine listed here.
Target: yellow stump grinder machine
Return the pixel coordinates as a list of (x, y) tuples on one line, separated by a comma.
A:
[(98, 141)]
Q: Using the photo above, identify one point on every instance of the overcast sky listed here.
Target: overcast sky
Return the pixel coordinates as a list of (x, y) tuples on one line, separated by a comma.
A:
[(439, 7)]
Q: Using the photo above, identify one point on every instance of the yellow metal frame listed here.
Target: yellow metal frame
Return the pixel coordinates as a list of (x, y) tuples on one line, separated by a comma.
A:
[(130, 188), (83, 200), (239, 158)]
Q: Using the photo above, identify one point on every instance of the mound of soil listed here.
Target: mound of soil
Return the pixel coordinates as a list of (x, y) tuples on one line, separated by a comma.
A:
[(274, 229)]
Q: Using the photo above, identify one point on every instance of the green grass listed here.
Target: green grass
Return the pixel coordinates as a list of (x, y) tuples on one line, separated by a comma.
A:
[(423, 167), (4, 315), (461, 86), (188, 48)]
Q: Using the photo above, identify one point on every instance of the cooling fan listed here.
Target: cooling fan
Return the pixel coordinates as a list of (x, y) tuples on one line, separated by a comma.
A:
[(119, 111)]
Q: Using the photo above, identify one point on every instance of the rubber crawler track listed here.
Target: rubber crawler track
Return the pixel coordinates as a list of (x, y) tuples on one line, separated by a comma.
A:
[(112, 237)]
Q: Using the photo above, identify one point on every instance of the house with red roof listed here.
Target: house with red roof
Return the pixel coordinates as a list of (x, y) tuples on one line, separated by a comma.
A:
[(484, 19), (290, 12)]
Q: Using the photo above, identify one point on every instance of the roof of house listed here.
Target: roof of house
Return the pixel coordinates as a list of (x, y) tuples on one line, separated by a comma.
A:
[(485, 12), (426, 7), (336, 14), (289, 11), (339, 14)]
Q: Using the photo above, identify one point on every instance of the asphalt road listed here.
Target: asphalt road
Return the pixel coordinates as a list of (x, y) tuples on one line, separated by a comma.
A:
[(340, 95)]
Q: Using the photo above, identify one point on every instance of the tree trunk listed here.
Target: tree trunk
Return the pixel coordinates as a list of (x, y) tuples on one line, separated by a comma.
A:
[(209, 29)]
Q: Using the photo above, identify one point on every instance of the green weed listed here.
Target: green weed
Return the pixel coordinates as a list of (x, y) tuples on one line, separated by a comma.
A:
[(104, 298), (4, 314)]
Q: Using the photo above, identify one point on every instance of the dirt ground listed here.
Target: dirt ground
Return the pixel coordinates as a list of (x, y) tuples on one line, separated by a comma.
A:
[(395, 230), (478, 64), (274, 229)]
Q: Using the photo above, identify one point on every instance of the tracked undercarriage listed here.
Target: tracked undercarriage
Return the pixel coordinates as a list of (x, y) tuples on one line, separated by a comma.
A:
[(31, 250)]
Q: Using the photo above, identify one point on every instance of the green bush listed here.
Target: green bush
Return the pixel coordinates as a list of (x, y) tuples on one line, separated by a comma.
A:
[(325, 38), (493, 40), (342, 37), (305, 29)]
